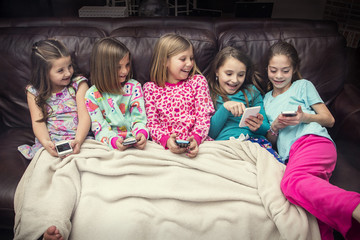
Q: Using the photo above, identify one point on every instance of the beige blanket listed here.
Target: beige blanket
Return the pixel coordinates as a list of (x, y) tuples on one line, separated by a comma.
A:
[(229, 191)]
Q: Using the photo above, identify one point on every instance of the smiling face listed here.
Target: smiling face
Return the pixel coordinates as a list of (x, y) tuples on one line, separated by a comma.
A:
[(123, 68), (280, 72), (231, 75), (179, 66), (60, 73)]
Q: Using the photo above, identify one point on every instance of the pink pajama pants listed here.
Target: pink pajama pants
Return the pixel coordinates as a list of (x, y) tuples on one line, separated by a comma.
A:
[(305, 183)]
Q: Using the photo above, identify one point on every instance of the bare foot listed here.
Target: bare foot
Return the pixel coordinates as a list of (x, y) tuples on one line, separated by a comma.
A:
[(52, 233), (356, 213)]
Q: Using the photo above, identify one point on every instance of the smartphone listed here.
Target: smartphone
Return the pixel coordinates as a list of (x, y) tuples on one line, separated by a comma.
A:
[(63, 148), (182, 143), (252, 111), (129, 141), (289, 113)]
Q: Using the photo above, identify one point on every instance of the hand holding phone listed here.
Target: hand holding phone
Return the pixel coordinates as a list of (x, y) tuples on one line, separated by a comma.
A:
[(289, 113), (182, 143), (63, 148), (129, 141), (252, 111)]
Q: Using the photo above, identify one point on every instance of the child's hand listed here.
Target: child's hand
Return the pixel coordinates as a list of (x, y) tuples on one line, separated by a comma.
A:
[(292, 121), (75, 144), (119, 144), (141, 141), (193, 148), (236, 108), (173, 147), (50, 147), (254, 122)]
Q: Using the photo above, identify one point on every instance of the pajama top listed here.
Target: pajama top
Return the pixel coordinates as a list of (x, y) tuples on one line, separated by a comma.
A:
[(117, 115), (63, 119), (301, 92), (225, 125), (184, 108)]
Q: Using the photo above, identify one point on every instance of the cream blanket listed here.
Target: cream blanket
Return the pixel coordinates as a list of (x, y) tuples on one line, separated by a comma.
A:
[(229, 191)]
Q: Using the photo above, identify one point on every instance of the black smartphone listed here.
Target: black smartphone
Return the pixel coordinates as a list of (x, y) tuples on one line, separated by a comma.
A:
[(182, 143), (289, 113)]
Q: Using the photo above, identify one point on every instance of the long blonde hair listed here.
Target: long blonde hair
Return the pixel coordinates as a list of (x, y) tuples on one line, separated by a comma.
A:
[(104, 61), (167, 46)]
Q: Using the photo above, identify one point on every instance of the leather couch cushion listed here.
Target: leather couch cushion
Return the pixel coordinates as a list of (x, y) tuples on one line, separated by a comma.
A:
[(141, 42), (311, 47), (15, 48)]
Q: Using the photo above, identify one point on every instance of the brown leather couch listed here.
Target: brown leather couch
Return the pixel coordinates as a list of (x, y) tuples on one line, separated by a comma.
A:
[(321, 48)]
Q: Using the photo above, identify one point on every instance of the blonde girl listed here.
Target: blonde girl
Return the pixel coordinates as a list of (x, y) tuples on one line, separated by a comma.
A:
[(177, 100)]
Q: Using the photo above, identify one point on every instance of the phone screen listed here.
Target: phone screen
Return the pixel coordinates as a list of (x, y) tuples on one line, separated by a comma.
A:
[(63, 147)]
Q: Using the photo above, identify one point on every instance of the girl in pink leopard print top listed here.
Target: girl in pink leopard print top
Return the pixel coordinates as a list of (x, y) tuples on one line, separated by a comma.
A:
[(177, 100)]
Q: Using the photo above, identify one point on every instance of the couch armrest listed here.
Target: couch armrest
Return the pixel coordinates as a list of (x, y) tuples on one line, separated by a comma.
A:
[(346, 111)]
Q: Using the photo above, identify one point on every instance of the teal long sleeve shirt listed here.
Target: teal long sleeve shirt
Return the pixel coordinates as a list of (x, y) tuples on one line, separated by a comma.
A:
[(224, 125)]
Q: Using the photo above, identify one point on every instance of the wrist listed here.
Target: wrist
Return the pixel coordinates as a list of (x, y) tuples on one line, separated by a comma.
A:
[(273, 131)]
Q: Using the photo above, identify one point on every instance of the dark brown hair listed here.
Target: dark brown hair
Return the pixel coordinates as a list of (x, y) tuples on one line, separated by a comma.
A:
[(220, 58), (288, 50), (43, 54)]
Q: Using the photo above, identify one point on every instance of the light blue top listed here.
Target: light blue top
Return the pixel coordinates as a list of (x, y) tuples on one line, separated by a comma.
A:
[(224, 125), (301, 92), (117, 115)]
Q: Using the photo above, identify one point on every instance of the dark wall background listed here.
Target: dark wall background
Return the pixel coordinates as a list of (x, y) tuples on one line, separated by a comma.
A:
[(44, 8)]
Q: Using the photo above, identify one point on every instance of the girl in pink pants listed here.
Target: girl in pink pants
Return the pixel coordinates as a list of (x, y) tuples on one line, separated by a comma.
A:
[(299, 118)]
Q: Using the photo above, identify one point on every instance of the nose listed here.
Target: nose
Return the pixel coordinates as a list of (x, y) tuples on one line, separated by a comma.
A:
[(278, 74), (67, 72), (189, 62), (124, 71)]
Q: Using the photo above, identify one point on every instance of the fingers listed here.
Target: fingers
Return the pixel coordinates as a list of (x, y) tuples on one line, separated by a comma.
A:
[(254, 122), (193, 148), (141, 141), (75, 146), (299, 109), (119, 144), (236, 108)]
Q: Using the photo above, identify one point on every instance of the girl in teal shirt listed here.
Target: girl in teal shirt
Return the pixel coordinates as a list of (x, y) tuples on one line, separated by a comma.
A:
[(232, 91)]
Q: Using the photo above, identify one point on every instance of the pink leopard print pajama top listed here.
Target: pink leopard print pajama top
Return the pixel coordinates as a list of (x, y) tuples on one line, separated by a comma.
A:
[(184, 108)]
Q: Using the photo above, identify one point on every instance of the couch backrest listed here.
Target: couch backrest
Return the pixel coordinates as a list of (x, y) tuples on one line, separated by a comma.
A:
[(319, 44)]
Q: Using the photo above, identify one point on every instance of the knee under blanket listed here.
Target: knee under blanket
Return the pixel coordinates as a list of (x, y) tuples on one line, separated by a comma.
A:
[(231, 190)]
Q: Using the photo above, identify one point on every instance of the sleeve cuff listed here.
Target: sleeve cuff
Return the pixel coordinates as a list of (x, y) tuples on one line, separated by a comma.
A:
[(143, 132), (164, 140), (197, 138), (113, 142)]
